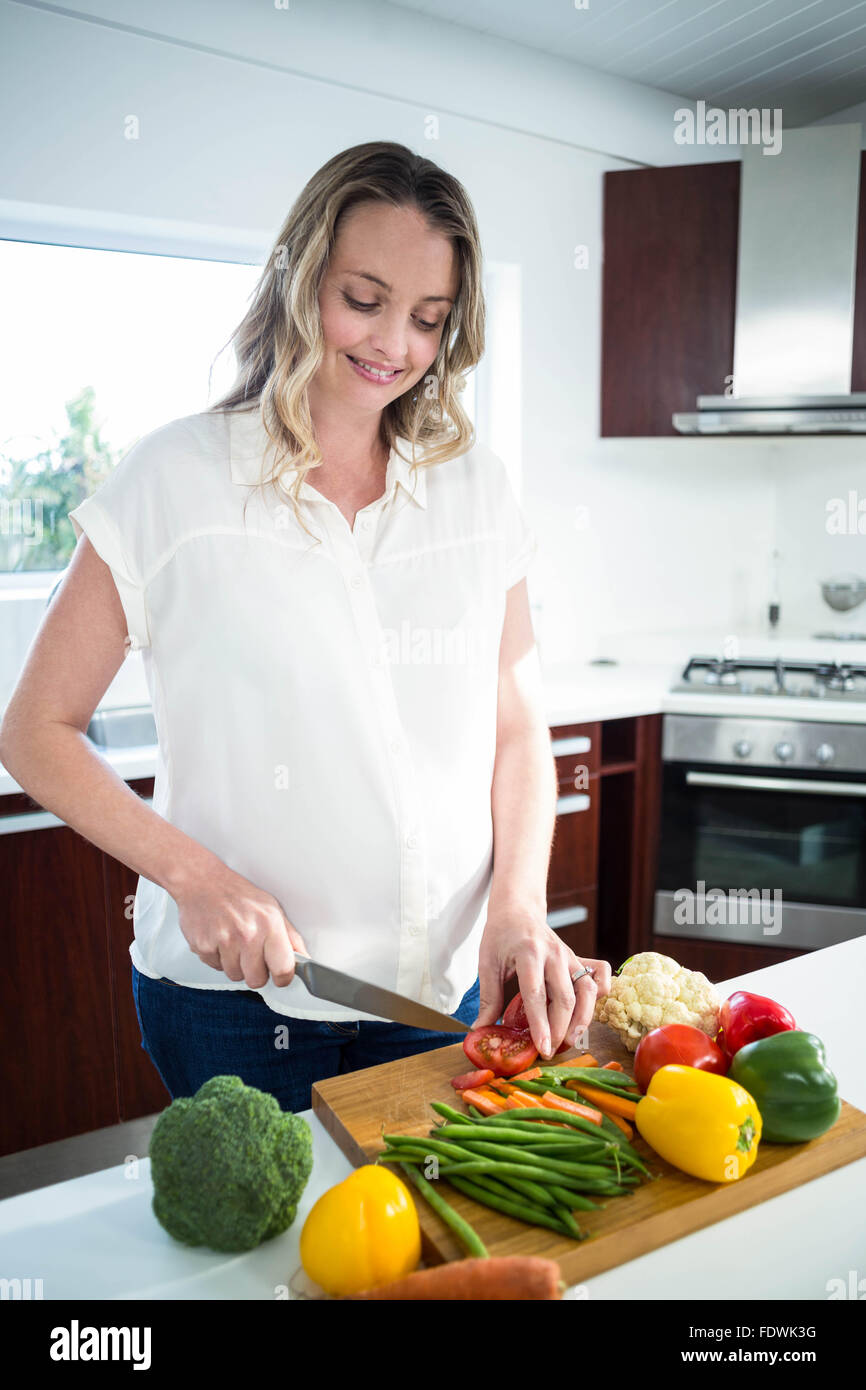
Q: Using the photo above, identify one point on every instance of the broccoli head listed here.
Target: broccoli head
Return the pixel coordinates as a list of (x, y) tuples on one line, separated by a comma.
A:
[(228, 1166)]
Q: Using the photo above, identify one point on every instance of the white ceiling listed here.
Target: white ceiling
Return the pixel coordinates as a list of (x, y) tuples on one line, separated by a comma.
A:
[(806, 56)]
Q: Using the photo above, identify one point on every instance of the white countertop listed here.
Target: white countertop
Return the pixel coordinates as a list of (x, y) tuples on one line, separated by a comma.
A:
[(96, 1236), (581, 694)]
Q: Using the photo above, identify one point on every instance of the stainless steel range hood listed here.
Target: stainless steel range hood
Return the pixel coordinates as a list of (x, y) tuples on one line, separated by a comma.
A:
[(794, 330)]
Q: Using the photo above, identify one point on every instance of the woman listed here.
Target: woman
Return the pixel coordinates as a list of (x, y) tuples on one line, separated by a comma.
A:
[(326, 581)]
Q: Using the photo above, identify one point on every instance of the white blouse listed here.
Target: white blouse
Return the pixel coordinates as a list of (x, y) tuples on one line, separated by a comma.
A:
[(326, 713)]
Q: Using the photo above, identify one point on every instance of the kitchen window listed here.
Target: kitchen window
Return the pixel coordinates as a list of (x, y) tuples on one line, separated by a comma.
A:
[(99, 348)]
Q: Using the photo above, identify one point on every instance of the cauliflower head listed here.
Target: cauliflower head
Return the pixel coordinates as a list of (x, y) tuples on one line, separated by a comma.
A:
[(652, 990)]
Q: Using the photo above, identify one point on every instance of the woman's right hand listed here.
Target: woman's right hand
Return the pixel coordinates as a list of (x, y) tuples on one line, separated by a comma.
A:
[(235, 927)]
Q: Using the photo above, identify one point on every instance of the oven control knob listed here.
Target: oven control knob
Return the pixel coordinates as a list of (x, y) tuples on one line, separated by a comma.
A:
[(825, 752), (784, 751), (742, 748)]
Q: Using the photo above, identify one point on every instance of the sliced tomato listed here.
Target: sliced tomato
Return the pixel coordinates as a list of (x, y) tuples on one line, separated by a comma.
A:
[(472, 1079), (515, 1017), (505, 1051)]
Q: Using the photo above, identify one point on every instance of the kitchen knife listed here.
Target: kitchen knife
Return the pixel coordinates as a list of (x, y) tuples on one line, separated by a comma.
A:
[(338, 988)]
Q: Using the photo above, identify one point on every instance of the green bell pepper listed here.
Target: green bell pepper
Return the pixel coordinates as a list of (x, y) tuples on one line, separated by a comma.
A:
[(792, 1086)]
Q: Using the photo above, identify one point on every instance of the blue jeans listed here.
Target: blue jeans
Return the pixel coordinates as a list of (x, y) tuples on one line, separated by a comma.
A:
[(191, 1035)]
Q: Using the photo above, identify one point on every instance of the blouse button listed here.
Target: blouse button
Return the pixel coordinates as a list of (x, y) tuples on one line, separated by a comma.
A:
[(412, 841), (356, 581)]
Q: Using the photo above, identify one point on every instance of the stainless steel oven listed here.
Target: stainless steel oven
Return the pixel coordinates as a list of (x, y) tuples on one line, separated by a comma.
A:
[(763, 831)]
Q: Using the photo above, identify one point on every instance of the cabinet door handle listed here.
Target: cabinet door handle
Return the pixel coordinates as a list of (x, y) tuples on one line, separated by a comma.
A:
[(39, 820), (579, 744), (568, 805), (566, 916)]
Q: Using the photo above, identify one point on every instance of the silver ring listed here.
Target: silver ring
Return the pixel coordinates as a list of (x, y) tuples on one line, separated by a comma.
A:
[(580, 974)]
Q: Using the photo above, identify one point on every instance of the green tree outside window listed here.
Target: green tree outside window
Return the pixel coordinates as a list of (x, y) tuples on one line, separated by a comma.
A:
[(38, 493)]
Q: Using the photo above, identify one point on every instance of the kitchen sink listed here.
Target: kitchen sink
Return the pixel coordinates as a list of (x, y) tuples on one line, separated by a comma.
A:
[(130, 727)]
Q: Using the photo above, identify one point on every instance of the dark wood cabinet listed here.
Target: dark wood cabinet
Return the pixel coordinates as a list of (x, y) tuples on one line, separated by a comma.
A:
[(668, 292), (669, 289), (58, 1049), (72, 1049)]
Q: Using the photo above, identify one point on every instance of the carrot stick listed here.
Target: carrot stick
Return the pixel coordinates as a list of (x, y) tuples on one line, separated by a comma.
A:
[(532, 1075), (485, 1103), (524, 1278), (587, 1060), (608, 1103), (557, 1103), (491, 1095), (622, 1124), (613, 1066)]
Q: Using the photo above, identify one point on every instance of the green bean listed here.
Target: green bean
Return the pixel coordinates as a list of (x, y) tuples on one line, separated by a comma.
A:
[(469, 1239), (499, 1161), (503, 1133), (561, 1150), (505, 1188), (552, 1165), (573, 1200), (415, 1141), (477, 1165), (496, 1168), (549, 1117), (521, 1210), (533, 1117), (449, 1113), (540, 1088), (495, 1185), (402, 1154), (593, 1076), (567, 1219), (496, 1158), (533, 1190)]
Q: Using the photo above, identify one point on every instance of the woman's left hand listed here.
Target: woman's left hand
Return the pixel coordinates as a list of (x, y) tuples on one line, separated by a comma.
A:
[(519, 941)]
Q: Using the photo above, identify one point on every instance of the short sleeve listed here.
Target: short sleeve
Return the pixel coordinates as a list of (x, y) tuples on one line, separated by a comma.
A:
[(112, 519), (521, 543)]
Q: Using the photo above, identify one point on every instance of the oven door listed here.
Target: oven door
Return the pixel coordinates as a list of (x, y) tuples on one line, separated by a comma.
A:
[(766, 856)]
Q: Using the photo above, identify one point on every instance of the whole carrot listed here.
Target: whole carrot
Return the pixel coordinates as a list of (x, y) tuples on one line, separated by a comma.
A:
[(517, 1278)]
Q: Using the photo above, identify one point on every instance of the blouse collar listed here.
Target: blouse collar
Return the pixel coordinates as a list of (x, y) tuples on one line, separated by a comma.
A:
[(249, 441)]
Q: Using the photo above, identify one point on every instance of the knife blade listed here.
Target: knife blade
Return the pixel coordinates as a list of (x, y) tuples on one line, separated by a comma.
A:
[(338, 988)]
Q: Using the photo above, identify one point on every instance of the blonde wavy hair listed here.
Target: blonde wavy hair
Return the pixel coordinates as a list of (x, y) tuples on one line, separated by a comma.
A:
[(279, 346)]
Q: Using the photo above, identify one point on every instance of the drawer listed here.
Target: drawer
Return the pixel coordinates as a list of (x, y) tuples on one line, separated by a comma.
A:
[(576, 750), (574, 858)]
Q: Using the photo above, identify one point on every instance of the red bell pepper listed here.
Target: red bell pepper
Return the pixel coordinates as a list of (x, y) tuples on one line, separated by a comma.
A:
[(744, 1018)]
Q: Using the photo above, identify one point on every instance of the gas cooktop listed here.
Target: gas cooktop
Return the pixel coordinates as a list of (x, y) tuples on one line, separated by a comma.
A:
[(819, 680)]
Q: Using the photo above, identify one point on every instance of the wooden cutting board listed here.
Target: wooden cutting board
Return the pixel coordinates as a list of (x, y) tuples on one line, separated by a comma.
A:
[(355, 1109)]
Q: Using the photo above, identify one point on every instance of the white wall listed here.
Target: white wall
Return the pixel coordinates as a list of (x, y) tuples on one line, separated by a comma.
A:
[(239, 103)]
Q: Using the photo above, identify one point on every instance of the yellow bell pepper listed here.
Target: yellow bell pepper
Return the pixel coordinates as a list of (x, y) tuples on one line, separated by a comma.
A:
[(702, 1123), (362, 1232)]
